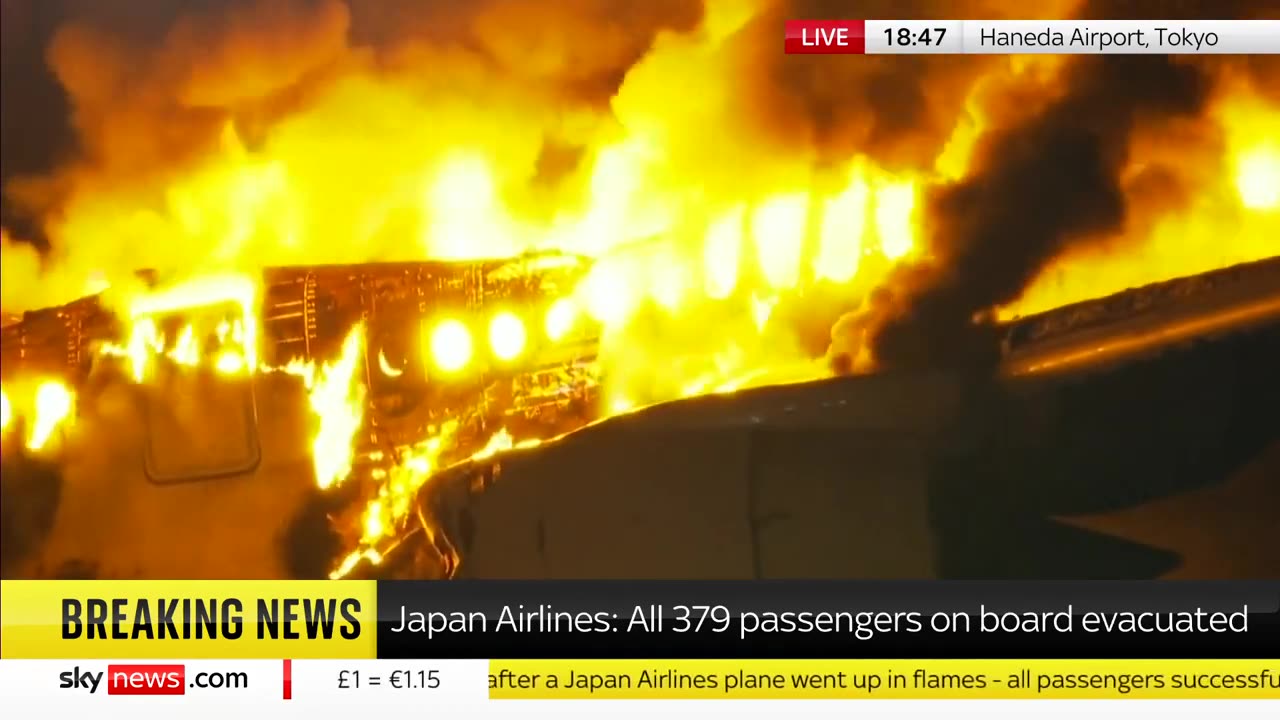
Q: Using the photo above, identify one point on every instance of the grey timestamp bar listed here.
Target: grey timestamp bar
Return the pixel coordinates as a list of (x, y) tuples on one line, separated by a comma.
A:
[(1073, 37)]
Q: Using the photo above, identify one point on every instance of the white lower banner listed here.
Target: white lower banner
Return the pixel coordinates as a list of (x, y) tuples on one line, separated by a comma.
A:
[(320, 688)]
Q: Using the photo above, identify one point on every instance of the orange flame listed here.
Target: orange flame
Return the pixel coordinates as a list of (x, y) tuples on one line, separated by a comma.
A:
[(47, 405), (54, 404), (337, 400), (235, 347), (384, 516), (6, 411), (702, 240), (335, 395)]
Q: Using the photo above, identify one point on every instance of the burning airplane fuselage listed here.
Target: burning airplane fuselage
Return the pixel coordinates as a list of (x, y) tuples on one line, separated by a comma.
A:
[(804, 223), (384, 369), (366, 384)]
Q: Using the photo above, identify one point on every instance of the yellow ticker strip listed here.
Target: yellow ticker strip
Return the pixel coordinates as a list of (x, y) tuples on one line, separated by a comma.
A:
[(882, 679)]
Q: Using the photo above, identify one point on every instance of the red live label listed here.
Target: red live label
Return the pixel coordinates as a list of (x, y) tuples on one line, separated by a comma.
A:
[(826, 37), (146, 679)]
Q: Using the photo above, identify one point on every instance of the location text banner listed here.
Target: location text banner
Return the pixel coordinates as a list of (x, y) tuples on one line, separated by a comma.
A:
[(1060, 37), (827, 619)]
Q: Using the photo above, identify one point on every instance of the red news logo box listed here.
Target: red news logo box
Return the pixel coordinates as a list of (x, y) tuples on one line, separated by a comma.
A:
[(146, 679), (826, 37)]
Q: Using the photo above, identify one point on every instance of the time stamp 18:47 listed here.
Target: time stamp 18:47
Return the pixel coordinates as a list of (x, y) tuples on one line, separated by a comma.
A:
[(906, 37)]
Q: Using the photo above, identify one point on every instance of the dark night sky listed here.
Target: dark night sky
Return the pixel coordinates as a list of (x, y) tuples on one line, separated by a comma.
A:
[(34, 124)]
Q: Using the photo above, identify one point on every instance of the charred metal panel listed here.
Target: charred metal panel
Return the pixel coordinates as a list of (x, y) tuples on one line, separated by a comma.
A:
[(55, 342), (1114, 329), (620, 504), (777, 482), (709, 503), (832, 504), (110, 521)]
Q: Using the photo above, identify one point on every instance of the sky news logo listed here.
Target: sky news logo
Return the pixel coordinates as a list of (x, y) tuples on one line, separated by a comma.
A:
[(147, 680), (128, 680)]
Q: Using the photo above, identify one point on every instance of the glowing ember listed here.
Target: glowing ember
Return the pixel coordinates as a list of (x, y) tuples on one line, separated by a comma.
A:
[(46, 406), (561, 317), (778, 229), (611, 293), (721, 254), (350, 562), (385, 367), (500, 441), (451, 345), (1258, 179), (54, 403), (843, 225), (507, 336), (229, 362), (143, 341), (761, 309), (6, 410), (185, 351), (895, 204)]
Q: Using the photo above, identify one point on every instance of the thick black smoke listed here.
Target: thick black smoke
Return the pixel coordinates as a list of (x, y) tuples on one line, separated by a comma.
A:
[(1039, 187)]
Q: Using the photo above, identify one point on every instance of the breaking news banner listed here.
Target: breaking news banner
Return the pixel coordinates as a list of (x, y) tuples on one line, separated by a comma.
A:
[(1060, 37), (319, 645)]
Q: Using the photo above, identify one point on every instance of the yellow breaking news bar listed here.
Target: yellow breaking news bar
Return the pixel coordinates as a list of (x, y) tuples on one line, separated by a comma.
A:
[(187, 619), (337, 620), (882, 679)]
